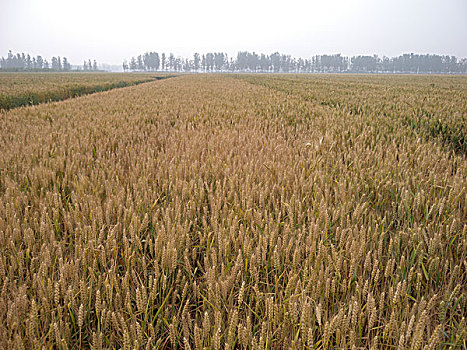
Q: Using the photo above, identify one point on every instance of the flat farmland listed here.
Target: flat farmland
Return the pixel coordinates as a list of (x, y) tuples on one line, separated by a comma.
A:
[(238, 212), (22, 89)]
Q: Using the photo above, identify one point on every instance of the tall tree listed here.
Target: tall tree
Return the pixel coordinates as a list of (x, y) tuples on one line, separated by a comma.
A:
[(171, 61), (210, 61), (55, 65), (203, 62), (157, 61), (66, 65), (28, 62), (139, 60), (219, 61), (196, 61), (147, 61), (40, 62), (276, 62), (133, 65)]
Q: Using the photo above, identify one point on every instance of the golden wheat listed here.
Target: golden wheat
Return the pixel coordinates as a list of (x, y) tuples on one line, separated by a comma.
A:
[(210, 211)]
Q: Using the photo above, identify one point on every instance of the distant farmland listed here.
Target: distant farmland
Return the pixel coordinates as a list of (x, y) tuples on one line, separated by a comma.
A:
[(235, 212), (22, 89)]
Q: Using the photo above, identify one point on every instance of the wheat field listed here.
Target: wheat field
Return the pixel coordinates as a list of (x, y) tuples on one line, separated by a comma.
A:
[(237, 212), (22, 89)]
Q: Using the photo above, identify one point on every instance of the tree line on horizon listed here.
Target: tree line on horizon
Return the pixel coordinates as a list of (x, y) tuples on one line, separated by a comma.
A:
[(25, 62), (281, 63), (252, 62)]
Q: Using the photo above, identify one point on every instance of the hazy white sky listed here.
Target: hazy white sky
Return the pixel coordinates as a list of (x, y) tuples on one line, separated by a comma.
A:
[(113, 30)]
